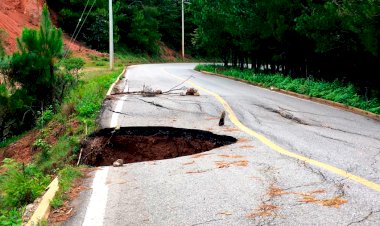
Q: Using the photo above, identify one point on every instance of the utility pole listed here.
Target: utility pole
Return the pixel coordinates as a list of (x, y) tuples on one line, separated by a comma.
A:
[(183, 31), (111, 34)]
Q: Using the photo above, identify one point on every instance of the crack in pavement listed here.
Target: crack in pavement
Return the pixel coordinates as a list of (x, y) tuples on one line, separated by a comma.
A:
[(338, 184), (375, 161), (336, 139), (209, 221), (283, 113), (364, 218), (118, 112), (153, 103)]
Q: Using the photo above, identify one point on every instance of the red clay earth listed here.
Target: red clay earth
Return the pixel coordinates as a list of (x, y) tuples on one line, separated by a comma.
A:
[(17, 14), (146, 144)]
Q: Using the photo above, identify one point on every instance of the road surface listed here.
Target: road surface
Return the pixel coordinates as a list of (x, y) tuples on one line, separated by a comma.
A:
[(304, 163)]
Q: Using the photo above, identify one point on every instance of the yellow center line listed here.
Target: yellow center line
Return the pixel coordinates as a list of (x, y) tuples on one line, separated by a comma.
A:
[(275, 147)]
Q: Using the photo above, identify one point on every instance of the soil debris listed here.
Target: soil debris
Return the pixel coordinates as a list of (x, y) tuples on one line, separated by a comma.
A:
[(188, 163), (264, 210), (192, 92), (196, 156), (224, 164), (231, 156), (197, 171), (137, 144)]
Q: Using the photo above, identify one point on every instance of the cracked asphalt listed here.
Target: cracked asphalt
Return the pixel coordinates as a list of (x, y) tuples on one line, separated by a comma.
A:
[(246, 183)]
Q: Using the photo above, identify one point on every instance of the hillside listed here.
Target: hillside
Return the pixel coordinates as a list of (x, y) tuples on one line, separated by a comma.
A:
[(17, 14)]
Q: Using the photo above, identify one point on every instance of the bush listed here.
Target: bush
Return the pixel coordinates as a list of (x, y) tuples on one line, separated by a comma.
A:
[(20, 184), (44, 116)]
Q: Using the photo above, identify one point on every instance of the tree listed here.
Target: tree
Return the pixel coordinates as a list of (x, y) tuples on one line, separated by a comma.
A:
[(33, 66), (144, 30)]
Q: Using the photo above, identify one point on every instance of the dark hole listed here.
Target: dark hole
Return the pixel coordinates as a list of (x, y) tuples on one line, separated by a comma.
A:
[(137, 144)]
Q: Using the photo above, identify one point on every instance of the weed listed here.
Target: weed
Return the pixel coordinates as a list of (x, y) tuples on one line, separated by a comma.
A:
[(56, 202), (20, 184), (66, 177), (336, 91), (44, 116), (10, 217)]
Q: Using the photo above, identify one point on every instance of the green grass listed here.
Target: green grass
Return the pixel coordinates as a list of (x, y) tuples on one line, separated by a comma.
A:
[(23, 183), (335, 91), (66, 177)]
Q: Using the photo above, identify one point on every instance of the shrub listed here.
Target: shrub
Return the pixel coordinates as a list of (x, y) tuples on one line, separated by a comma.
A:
[(20, 184)]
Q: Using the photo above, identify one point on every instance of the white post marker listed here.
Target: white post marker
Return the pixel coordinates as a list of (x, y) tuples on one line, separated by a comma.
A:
[(97, 206)]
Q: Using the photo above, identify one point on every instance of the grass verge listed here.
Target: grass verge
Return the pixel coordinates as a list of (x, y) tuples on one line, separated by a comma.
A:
[(335, 91), (55, 148)]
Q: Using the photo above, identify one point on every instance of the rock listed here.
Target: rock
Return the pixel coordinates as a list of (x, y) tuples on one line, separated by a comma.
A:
[(28, 211), (118, 163)]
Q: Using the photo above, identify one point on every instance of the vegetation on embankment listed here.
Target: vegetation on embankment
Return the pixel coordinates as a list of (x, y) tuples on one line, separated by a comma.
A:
[(335, 91), (56, 146)]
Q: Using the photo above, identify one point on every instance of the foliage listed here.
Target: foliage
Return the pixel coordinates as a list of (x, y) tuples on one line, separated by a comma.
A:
[(66, 178), (32, 82), (325, 39), (2, 38), (144, 30), (73, 66), (20, 184), (10, 217), (44, 116), (336, 91), (33, 67)]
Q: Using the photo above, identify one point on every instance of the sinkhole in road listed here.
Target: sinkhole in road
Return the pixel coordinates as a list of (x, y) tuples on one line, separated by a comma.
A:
[(137, 144)]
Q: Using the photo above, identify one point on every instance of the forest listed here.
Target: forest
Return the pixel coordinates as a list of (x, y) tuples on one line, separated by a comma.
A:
[(331, 39)]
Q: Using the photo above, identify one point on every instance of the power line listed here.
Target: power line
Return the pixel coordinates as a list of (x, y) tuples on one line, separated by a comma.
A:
[(76, 28), (80, 19), (80, 28)]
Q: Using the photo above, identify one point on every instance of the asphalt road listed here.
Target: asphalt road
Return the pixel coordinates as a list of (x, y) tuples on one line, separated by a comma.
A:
[(305, 163)]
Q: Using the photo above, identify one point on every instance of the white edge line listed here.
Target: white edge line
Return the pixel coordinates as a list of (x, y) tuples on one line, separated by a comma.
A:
[(119, 105), (96, 207)]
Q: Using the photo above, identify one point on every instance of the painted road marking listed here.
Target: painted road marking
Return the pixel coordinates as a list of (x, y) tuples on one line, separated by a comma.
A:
[(232, 116), (98, 201), (119, 106)]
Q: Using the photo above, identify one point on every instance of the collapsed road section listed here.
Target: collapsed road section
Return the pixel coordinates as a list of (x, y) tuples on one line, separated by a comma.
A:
[(137, 144)]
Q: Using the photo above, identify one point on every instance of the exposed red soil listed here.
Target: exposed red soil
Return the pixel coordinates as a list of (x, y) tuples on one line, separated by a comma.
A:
[(17, 14), (67, 210), (167, 53), (20, 150), (103, 151)]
